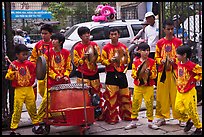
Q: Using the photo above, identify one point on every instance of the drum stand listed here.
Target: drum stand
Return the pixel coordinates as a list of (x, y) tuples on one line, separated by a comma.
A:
[(84, 130)]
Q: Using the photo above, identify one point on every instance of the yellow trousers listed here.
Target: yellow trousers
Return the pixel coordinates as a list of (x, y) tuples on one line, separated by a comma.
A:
[(186, 106), (24, 95), (165, 96), (42, 85), (116, 97), (140, 92)]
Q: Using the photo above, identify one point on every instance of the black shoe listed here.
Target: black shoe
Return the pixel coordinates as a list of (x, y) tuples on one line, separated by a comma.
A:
[(188, 126), (198, 131), (40, 130), (14, 133)]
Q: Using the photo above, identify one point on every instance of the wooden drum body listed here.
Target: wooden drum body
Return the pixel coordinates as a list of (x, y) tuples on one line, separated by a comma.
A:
[(65, 96)]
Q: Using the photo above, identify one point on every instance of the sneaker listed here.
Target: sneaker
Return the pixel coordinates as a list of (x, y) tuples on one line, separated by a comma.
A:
[(182, 124), (14, 133), (138, 123), (131, 125), (112, 123), (188, 126), (198, 131), (39, 130), (152, 126), (161, 122)]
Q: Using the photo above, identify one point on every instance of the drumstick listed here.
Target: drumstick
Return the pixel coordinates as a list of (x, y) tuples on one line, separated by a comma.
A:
[(6, 57)]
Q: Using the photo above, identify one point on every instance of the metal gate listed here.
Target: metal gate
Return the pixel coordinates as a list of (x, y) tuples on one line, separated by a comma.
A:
[(190, 14)]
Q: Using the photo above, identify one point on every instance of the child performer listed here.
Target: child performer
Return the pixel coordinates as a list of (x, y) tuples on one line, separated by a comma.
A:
[(186, 99), (143, 72), (59, 68), (22, 73)]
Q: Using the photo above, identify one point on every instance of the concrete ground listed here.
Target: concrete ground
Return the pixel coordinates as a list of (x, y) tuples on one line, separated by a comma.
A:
[(102, 128)]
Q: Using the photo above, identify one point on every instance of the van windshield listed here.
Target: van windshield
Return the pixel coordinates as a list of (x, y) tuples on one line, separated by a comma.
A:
[(69, 32)]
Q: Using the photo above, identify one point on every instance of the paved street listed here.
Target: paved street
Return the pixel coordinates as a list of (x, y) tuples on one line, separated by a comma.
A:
[(102, 128)]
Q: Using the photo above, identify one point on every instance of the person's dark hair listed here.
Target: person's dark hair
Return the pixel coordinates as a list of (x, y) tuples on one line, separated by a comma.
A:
[(169, 22), (143, 46), (60, 37), (19, 32), (47, 27), (83, 30), (114, 29), (20, 48), (181, 50)]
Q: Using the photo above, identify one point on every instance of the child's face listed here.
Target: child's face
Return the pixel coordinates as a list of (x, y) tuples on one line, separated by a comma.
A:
[(169, 30), (144, 53), (114, 35), (181, 57), (56, 43), (46, 35), (85, 37), (22, 56)]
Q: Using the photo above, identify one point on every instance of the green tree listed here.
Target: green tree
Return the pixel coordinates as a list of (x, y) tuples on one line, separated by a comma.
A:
[(83, 11), (60, 12)]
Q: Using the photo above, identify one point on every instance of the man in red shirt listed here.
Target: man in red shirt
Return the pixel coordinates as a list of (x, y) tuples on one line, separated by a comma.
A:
[(117, 92), (87, 68), (165, 57), (39, 50)]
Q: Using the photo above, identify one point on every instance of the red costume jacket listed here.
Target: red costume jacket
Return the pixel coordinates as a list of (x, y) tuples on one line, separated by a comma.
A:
[(24, 76), (108, 53), (188, 73)]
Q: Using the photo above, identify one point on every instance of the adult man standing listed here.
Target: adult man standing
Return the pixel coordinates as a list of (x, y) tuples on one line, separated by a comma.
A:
[(18, 38), (151, 33), (117, 94)]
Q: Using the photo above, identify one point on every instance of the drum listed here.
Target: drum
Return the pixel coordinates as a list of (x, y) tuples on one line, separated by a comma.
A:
[(64, 96)]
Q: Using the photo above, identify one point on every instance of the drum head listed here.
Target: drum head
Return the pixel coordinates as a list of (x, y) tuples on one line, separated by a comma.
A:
[(41, 68)]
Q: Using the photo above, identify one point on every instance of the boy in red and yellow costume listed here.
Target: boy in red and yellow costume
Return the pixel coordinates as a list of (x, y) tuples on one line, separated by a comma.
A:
[(85, 66), (40, 48), (165, 57), (143, 72), (117, 92), (59, 60), (186, 99), (22, 73)]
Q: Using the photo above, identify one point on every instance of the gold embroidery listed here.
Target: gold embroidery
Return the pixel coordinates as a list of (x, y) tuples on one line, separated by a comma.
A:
[(23, 80), (58, 66), (183, 78)]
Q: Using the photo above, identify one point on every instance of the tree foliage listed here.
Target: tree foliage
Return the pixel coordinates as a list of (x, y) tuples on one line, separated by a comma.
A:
[(83, 11), (60, 12)]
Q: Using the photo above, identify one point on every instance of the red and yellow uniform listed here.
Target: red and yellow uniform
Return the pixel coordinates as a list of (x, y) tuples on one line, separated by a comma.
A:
[(89, 70), (117, 92), (59, 65), (145, 90), (40, 49), (84, 66), (22, 80), (166, 92), (186, 99)]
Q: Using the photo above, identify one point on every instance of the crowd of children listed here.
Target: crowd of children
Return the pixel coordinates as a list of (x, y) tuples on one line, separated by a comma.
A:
[(176, 78)]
